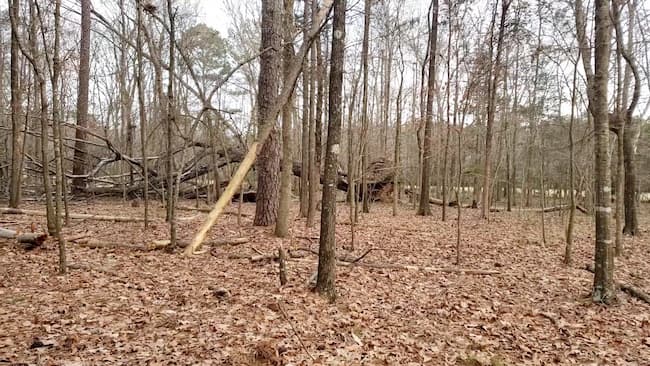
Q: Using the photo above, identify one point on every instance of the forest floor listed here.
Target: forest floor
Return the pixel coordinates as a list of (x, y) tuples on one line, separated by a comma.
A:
[(152, 307)]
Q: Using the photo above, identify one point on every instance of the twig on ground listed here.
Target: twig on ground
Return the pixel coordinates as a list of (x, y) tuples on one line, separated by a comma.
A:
[(286, 317)]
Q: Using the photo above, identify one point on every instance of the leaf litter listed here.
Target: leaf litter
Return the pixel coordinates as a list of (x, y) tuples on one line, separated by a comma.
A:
[(127, 307)]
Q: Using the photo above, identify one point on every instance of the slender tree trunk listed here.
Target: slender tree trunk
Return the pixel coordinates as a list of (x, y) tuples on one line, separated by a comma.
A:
[(364, 105), (492, 93), (445, 161), (424, 209), (568, 251), (304, 146), (398, 127), (143, 114), (171, 121), (282, 224), (314, 166), (56, 129), (326, 278), (632, 128), (17, 136)]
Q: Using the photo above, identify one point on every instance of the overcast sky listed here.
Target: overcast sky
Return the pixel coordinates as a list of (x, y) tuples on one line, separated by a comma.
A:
[(212, 13)]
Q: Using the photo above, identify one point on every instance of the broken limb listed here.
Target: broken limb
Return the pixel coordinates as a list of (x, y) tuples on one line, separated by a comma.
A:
[(251, 155)]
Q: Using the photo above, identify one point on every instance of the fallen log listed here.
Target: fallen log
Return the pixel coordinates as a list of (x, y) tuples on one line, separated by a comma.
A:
[(407, 267), (29, 240), (207, 210), (98, 244), (16, 211), (352, 262), (154, 245), (629, 289)]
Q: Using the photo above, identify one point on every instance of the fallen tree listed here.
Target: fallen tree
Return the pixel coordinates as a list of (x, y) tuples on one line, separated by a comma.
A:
[(28, 240), (16, 211), (153, 245)]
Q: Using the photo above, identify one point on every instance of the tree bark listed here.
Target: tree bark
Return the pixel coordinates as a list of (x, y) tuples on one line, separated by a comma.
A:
[(16, 109), (141, 112), (603, 289), (326, 278), (364, 104), (424, 209), (80, 150), (282, 224), (268, 164)]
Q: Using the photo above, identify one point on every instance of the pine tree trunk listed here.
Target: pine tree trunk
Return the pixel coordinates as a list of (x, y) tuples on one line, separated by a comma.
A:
[(268, 163)]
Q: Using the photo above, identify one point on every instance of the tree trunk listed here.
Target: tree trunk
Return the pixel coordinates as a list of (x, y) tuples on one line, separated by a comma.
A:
[(326, 278), (268, 164), (141, 112), (282, 224), (56, 129), (603, 289), (304, 146), (568, 251), (16, 109), (171, 121), (492, 94), (364, 104), (80, 148), (424, 209), (398, 127)]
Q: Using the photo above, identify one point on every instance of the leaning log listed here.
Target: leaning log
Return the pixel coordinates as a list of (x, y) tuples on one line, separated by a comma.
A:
[(16, 211), (28, 240)]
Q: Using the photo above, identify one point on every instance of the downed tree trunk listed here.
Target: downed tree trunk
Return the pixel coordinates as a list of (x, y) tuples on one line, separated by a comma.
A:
[(350, 262), (30, 240), (207, 210), (629, 289), (98, 244), (16, 211), (565, 207), (155, 245)]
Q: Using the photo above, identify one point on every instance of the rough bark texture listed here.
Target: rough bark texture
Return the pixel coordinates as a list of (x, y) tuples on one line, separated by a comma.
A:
[(424, 209), (80, 150), (325, 283), (603, 289), (268, 163)]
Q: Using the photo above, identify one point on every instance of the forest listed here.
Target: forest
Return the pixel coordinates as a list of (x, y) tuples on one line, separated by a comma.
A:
[(324, 182)]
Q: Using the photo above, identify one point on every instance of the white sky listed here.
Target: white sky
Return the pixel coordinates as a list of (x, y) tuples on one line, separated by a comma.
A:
[(213, 13)]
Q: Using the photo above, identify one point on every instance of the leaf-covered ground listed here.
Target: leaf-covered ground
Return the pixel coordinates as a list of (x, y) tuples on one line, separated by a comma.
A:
[(129, 307)]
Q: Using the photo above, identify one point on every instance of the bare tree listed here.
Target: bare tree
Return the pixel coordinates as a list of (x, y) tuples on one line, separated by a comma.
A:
[(492, 93), (80, 150), (16, 110), (326, 278), (282, 224), (424, 209)]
